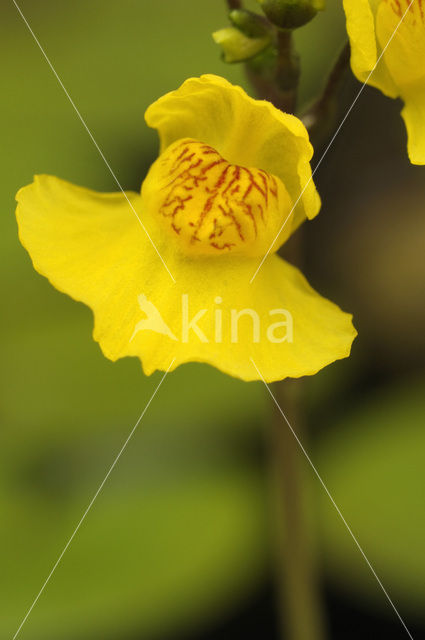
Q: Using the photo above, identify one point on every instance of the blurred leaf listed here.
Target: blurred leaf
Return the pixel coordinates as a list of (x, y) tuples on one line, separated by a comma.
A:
[(373, 464), (179, 527), (155, 554)]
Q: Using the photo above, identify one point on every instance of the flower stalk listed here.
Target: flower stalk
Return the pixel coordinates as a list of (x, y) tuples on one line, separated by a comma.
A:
[(275, 75), (300, 608)]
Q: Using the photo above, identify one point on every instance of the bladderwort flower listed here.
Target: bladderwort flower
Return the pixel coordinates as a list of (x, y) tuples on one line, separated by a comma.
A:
[(371, 25), (229, 173)]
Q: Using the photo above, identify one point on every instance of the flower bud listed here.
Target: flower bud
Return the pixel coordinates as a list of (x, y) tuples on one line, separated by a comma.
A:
[(251, 24), (291, 14), (236, 46)]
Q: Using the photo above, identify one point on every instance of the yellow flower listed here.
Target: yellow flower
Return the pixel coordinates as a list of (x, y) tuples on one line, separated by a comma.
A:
[(371, 26), (229, 173)]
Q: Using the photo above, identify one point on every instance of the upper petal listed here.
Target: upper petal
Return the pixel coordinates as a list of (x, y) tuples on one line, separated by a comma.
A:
[(365, 47), (246, 132), (405, 30)]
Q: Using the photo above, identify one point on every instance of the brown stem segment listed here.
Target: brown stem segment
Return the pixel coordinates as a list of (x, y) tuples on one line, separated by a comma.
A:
[(320, 115), (234, 4), (287, 69), (299, 602)]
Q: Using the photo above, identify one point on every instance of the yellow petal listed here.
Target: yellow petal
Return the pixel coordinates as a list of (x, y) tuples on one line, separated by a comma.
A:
[(361, 31), (278, 321), (244, 131), (365, 49), (414, 118), (405, 55), (405, 59), (92, 247), (202, 205)]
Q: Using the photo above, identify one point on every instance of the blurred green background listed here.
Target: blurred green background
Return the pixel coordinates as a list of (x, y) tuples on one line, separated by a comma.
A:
[(179, 540)]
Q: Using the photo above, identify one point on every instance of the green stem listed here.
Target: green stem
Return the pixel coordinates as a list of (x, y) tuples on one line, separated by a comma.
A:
[(276, 79), (287, 69), (300, 607)]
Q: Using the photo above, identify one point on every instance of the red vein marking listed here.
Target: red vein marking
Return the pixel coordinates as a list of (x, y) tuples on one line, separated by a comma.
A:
[(220, 191)]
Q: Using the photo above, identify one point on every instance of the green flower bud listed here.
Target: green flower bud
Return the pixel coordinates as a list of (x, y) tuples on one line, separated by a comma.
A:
[(291, 14), (251, 24), (236, 46)]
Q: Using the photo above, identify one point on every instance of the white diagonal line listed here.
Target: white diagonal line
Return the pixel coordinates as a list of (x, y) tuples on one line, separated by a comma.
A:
[(92, 502), (347, 526), (324, 154), (92, 137)]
